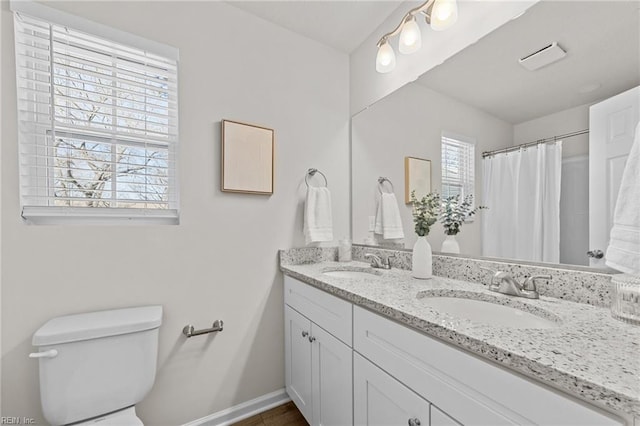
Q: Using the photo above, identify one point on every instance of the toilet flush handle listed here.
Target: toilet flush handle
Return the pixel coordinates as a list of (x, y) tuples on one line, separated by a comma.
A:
[(51, 353)]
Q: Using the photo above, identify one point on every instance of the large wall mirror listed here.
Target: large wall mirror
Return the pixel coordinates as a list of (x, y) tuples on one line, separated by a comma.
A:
[(484, 97)]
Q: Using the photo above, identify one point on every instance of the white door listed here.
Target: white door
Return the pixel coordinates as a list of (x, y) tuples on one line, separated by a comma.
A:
[(298, 360), (612, 123), (380, 400), (332, 379)]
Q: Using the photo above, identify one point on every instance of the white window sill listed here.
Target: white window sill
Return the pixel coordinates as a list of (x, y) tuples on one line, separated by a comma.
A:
[(98, 216)]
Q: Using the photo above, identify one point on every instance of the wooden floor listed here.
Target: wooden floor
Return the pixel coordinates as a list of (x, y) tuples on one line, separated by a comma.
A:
[(283, 415)]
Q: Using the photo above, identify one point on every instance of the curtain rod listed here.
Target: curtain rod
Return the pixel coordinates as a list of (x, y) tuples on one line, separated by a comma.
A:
[(486, 154)]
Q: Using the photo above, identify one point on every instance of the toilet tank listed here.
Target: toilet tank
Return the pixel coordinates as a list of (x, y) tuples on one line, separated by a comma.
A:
[(105, 361)]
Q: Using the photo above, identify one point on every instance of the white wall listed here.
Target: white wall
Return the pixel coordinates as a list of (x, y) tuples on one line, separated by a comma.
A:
[(475, 20), (221, 261), (410, 122), (559, 123)]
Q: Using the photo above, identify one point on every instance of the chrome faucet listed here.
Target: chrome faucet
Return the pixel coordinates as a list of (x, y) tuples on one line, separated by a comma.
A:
[(378, 262), (503, 282)]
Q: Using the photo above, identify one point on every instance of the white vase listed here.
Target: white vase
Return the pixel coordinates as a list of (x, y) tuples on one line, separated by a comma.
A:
[(421, 260), (450, 245)]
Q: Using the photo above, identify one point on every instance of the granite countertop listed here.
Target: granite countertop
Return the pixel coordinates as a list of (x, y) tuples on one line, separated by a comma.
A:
[(589, 355)]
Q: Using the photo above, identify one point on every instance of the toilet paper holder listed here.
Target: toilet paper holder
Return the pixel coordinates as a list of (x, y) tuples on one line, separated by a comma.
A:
[(190, 331)]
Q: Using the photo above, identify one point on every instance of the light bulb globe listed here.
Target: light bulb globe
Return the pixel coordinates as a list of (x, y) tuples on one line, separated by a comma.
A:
[(443, 14), (385, 59), (410, 37)]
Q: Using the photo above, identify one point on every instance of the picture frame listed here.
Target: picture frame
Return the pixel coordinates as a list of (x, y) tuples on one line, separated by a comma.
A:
[(417, 176), (247, 158)]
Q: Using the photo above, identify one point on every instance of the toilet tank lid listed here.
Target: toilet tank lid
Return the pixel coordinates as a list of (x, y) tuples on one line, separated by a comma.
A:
[(93, 325)]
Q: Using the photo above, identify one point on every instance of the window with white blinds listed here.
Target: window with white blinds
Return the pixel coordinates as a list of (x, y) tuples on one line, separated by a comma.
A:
[(458, 166), (98, 126)]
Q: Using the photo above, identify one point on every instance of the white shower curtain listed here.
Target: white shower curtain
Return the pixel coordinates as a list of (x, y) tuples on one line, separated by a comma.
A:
[(522, 190)]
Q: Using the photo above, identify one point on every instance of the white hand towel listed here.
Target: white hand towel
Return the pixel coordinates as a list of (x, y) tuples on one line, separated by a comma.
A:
[(318, 225), (388, 221), (623, 252)]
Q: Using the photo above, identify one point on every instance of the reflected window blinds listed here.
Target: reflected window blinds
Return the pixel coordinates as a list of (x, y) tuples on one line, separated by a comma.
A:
[(458, 170)]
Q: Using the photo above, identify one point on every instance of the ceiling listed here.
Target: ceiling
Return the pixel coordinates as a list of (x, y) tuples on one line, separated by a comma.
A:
[(602, 40), (343, 25)]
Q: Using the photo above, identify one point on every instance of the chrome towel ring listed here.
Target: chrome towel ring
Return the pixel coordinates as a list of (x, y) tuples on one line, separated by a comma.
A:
[(312, 172), (381, 181)]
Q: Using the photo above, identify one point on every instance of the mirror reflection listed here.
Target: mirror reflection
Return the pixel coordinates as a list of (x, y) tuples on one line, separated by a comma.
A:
[(539, 99)]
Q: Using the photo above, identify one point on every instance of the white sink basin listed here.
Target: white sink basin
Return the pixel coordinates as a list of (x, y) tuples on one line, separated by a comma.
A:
[(350, 273), (487, 312)]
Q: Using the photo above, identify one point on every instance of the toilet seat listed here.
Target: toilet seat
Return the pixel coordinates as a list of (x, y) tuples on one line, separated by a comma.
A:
[(126, 417)]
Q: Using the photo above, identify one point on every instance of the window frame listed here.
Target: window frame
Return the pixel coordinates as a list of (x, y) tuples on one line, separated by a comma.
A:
[(32, 212)]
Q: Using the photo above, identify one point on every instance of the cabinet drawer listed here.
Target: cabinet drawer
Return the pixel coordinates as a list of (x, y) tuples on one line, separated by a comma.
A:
[(329, 312), (469, 389)]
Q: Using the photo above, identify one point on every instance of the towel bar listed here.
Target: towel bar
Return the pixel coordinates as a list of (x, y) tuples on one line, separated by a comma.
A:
[(190, 331), (312, 172)]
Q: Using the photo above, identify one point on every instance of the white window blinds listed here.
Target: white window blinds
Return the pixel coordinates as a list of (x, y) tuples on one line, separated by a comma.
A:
[(98, 126), (458, 167)]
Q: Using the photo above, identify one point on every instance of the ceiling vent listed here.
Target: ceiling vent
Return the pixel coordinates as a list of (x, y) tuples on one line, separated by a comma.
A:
[(543, 57)]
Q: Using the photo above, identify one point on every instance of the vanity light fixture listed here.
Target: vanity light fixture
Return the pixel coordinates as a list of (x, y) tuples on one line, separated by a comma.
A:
[(440, 14)]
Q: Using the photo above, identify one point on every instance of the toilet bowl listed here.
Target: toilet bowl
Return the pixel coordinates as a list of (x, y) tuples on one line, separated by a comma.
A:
[(94, 367)]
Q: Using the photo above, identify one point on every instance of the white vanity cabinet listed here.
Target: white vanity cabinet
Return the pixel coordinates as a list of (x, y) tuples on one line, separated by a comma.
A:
[(460, 386), (318, 354), (346, 365)]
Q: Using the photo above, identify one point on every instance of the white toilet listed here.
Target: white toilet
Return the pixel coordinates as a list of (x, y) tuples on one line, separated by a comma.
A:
[(95, 367)]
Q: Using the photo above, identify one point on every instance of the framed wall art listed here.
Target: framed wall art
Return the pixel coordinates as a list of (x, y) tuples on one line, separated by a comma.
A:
[(417, 176), (247, 158)]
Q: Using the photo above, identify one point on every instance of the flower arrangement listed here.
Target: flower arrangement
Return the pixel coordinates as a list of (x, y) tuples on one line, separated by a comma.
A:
[(425, 212), (453, 212)]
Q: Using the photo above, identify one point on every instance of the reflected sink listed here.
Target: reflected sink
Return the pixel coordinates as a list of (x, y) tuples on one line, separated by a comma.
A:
[(489, 312), (351, 273)]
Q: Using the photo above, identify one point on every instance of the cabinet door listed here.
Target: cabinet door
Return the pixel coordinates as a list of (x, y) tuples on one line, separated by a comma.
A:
[(298, 360), (381, 400), (332, 379)]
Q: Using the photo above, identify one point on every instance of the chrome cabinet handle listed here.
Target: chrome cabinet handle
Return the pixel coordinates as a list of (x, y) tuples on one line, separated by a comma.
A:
[(414, 422), (312, 339), (305, 333)]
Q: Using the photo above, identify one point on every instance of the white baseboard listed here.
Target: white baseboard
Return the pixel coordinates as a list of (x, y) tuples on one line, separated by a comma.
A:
[(242, 411)]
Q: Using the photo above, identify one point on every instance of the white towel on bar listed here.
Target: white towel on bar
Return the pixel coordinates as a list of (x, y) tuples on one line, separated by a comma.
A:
[(388, 221), (623, 252), (318, 225)]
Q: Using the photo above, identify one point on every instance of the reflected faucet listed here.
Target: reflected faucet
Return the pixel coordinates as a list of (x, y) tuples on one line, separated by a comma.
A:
[(503, 282), (379, 263)]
